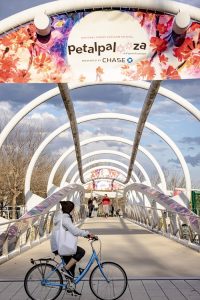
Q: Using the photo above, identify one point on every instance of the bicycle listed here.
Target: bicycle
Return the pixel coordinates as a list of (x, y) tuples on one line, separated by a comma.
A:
[(44, 280)]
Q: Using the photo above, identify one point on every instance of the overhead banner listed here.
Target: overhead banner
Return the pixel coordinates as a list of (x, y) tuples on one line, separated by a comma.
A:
[(101, 46)]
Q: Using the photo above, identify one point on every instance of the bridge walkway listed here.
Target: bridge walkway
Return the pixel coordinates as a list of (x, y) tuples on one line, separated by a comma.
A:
[(157, 268)]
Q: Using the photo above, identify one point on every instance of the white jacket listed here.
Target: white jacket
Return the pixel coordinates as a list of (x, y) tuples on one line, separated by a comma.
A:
[(67, 223)]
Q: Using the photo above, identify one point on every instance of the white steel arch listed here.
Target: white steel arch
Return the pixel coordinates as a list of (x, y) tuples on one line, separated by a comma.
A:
[(111, 167), (99, 152), (120, 117), (125, 141), (60, 6), (97, 161), (54, 92), (109, 116), (98, 179), (137, 195), (108, 138)]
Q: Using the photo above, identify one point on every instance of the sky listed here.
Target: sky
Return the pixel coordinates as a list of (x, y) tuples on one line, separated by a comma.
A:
[(175, 121)]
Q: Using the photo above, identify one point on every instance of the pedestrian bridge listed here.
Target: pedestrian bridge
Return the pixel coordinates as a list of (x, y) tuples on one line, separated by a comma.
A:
[(157, 239)]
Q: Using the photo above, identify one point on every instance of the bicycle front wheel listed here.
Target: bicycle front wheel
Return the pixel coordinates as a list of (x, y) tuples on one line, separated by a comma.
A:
[(112, 286), (43, 282)]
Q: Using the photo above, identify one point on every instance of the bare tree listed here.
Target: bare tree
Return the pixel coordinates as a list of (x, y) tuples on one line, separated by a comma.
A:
[(41, 174), (15, 155), (139, 174), (59, 174), (174, 179)]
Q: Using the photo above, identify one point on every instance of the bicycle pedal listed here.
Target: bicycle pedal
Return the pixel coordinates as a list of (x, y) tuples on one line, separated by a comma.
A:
[(73, 292)]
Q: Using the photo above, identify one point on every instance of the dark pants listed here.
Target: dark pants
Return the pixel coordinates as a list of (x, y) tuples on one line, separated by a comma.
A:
[(77, 256)]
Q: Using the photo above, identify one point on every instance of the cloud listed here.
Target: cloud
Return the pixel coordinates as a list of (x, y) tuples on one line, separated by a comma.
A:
[(6, 113), (102, 93), (193, 160), (43, 116), (135, 112), (22, 94), (157, 147), (163, 107), (6, 107), (174, 164), (44, 119), (86, 134), (190, 140), (188, 89), (175, 161)]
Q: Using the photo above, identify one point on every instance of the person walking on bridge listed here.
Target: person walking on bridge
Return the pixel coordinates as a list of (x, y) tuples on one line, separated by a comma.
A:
[(90, 207), (106, 205)]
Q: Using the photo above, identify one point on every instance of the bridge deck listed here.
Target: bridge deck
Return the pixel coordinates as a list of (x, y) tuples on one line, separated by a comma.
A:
[(157, 268), (137, 290)]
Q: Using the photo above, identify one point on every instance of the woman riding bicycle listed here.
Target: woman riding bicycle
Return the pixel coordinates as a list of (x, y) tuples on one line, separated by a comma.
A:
[(44, 280), (67, 222)]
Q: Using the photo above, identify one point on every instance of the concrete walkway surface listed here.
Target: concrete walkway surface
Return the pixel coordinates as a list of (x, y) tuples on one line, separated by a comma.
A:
[(157, 268), (136, 290)]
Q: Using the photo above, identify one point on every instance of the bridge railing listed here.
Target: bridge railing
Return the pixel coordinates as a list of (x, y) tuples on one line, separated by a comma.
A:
[(38, 229), (170, 224)]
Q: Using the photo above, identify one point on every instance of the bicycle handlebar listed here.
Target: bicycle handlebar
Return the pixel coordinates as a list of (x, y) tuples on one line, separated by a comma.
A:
[(93, 238)]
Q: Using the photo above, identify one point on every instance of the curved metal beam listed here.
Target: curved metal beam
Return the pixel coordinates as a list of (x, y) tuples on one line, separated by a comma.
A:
[(116, 139), (151, 95), (103, 178), (64, 91), (99, 152), (138, 197), (140, 200), (97, 161), (54, 92), (108, 116), (58, 7), (105, 167), (44, 97)]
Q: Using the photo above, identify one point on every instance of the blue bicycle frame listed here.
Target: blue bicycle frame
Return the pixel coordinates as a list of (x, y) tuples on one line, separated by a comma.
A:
[(93, 258)]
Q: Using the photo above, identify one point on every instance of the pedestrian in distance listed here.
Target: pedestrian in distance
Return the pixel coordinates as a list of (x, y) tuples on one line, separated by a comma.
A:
[(106, 205), (90, 207), (95, 207)]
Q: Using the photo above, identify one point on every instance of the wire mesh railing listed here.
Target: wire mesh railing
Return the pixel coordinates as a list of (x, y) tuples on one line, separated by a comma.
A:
[(173, 225), (19, 235)]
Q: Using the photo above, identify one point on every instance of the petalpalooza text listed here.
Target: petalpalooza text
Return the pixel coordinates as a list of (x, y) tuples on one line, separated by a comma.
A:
[(96, 48)]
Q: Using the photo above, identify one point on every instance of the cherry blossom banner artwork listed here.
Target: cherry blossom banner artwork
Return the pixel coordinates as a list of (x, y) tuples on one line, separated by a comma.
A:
[(101, 46), (33, 215), (170, 204)]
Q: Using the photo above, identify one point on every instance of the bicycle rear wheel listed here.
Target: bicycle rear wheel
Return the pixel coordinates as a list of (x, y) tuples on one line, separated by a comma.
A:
[(113, 289), (35, 285)]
